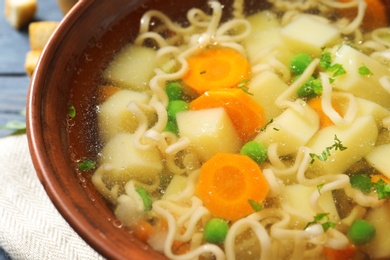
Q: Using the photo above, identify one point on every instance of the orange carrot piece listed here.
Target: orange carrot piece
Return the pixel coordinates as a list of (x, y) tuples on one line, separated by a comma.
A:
[(106, 91), (180, 248), (375, 16), (216, 68), (246, 115), (345, 254), (227, 182), (325, 121), (142, 230), (375, 178)]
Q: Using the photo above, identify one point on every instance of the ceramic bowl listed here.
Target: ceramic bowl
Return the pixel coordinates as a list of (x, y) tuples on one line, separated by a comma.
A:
[(67, 74)]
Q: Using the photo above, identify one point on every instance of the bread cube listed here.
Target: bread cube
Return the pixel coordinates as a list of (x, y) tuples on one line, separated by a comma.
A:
[(132, 67), (210, 131), (114, 116), (359, 137), (265, 88), (39, 34), (31, 61), (20, 12), (291, 129), (308, 34), (379, 158), (363, 86)]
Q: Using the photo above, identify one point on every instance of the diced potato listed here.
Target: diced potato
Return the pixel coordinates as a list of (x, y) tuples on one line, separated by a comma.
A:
[(379, 247), (297, 197), (290, 130), (132, 67), (265, 88), (177, 185), (359, 137), (265, 33), (39, 33), (210, 131), (383, 137), (20, 12), (114, 116), (367, 87), (367, 107), (308, 34), (122, 161), (379, 158)]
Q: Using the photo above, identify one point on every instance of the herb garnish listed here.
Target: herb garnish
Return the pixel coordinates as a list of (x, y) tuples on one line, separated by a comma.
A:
[(326, 153), (72, 111), (255, 205), (86, 164), (383, 189), (323, 219), (337, 69), (364, 71), (243, 86)]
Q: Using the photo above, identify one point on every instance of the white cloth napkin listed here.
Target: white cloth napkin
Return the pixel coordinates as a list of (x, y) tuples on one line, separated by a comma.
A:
[(30, 225)]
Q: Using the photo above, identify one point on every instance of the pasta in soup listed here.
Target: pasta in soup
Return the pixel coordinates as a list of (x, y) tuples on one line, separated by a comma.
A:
[(261, 136)]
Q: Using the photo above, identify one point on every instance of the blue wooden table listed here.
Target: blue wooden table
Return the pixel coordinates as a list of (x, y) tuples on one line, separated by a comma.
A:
[(14, 44)]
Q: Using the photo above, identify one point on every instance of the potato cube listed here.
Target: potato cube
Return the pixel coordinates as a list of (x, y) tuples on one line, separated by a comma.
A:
[(123, 161), (265, 88), (363, 86), (308, 34), (290, 130), (210, 131), (115, 117), (380, 219), (379, 158), (367, 107), (177, 185), (358, 137), (132, 67), (297, 197)]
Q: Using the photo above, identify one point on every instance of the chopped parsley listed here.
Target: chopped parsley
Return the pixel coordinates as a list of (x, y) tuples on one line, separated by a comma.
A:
[(255, 205), (202, 72), (266, 125), (243, 86), (323, 219), (86, 165), (365, 71), (326, 63), (383, 189), (72, 111), (325, 60), (319, 187), (326, 153)]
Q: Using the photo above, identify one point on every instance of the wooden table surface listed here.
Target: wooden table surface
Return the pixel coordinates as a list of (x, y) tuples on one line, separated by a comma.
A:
[(14, 45)]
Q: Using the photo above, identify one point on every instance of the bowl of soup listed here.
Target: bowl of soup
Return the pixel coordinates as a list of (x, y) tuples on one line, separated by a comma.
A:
[(218, 129)]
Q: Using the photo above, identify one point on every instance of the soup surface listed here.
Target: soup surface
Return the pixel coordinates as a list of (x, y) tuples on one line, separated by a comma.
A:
[(251, 134)]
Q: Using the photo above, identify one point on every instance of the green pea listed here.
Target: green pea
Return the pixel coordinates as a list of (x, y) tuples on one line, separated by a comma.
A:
[(361, 232), (175, 107), (147, 200), (299, 63), (172, 127), (174, 91), (361, 181), (255, 150), (310, 89), (215, 230)]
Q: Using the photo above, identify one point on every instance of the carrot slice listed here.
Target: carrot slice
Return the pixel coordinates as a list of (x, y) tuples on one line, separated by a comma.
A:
[(142, 230), (216, 68), (375, 178), (346, 254), (247, 116), (325, 121), (227, 182), (106, 91), (375, 16)]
